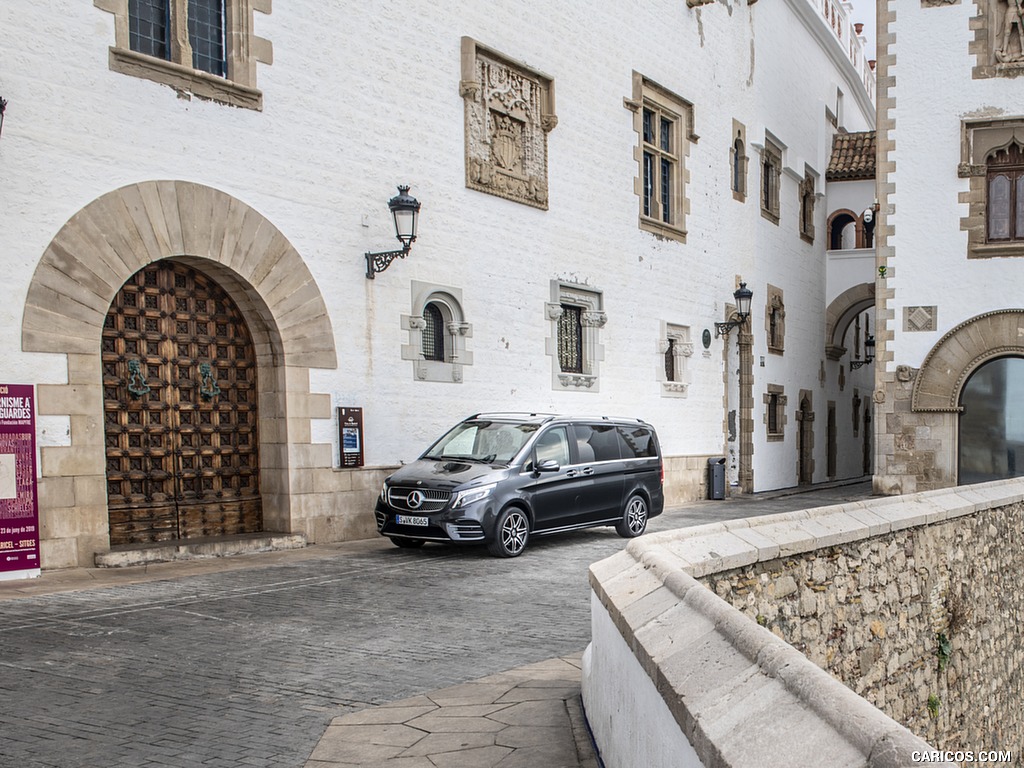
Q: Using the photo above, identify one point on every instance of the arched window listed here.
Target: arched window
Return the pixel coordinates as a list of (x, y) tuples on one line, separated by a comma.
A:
[(433, 333), (991, 444), (739, 167), (842, 231), (1005, 207), (438, 332)]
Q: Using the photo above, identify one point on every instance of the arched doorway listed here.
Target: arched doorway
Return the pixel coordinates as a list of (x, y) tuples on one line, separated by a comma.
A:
[(179, 403), (991, 424)]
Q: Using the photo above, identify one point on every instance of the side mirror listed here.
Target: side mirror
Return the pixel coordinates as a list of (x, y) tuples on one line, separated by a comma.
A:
[(549, 465)]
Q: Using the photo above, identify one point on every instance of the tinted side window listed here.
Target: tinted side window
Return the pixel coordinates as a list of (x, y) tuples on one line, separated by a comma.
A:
[(637, 443), (596, 442)]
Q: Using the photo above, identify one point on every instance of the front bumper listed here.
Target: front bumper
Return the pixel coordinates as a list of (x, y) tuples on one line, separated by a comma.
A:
[(447, 525)]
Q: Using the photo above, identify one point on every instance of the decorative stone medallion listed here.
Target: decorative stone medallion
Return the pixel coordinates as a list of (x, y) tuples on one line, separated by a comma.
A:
[(509, 111)]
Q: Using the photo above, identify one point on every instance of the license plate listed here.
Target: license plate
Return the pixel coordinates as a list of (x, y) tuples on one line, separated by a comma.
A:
[(408, 520)]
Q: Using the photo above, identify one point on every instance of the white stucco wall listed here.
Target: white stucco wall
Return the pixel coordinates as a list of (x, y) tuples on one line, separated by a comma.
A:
[(931, 249), (627, 715), (363, 97)]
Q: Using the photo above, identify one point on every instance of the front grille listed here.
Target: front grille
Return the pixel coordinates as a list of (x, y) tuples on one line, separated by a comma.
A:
[(428, 500)]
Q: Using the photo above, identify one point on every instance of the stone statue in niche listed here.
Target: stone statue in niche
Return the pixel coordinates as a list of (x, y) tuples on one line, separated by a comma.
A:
[(1011, 48), (509, 111)]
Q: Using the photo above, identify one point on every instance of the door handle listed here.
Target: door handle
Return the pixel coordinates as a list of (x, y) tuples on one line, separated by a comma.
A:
[(587, 471), (570, 473)]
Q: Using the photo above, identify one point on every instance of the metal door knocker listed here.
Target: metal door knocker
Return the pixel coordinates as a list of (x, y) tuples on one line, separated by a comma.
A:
[(137, 386), (208, 388)]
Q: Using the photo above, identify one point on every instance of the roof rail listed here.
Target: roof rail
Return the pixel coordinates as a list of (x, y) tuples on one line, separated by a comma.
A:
[(511, 413)]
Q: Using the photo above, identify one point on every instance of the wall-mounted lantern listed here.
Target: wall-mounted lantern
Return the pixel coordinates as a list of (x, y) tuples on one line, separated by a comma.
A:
[(869, 354), (405, 209), (742, 295)]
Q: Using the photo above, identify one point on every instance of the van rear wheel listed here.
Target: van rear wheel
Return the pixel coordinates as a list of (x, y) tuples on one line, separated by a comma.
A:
[(634, 518), (511, 533)]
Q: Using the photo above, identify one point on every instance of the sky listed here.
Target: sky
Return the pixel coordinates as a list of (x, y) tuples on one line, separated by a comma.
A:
[(864, 11)]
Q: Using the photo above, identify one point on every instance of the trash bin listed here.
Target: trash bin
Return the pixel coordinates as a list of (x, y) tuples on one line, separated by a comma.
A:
[(716, 478)]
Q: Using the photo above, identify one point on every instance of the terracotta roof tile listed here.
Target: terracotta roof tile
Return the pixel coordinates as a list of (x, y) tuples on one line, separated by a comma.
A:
[(853, 157)]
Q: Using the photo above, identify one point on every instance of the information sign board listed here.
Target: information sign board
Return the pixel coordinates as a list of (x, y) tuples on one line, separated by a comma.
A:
[(19, 505)]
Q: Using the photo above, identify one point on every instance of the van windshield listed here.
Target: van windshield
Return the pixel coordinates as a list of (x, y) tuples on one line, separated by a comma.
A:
[(493, 442)]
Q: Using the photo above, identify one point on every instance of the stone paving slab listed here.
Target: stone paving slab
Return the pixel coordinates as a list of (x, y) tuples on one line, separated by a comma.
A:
[(530, 717)]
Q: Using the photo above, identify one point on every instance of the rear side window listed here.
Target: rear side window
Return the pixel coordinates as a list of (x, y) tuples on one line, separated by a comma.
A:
[(637, 443), (596, 442)]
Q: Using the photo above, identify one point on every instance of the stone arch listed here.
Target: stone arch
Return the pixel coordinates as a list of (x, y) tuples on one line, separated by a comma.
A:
[(841, 312), (837, 222), (960, 352), (71, 291)]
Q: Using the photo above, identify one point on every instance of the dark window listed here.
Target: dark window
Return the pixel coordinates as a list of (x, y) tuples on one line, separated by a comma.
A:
[(659, 165), (773, 414), (596, 442), (737, 167), (670, 360), (570, 339), (1005, 205), (837, 228), (991, 444), (433, 333), (206, 35), (637, 443), (150, 23), (148, 27)]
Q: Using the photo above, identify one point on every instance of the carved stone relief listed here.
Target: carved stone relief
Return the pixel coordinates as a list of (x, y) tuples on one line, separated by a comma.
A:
[(919, 319), (998, 38), (509, 111), (1011, 41)]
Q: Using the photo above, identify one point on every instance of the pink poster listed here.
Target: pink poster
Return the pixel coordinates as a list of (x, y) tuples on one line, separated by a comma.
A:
[(19, 507)]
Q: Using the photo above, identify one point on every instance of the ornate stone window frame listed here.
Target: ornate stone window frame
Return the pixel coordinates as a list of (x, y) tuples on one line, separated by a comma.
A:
[(675, 341), (244, 51), (996, 53), (808, 197), (448, 301), (771, 179), (593, 318), (775, 413), (978, 141), (647, 94), (509, 111), (775, 321), (738, 162)]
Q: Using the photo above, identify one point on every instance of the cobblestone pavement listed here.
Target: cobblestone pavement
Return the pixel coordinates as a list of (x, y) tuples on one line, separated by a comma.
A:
[(245, 661)]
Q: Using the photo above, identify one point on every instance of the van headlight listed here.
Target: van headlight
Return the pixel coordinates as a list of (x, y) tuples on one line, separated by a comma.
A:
[(384, 492), (472, 495)]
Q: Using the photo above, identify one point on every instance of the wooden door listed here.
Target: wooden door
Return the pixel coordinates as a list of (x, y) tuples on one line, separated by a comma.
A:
[(180, 418)]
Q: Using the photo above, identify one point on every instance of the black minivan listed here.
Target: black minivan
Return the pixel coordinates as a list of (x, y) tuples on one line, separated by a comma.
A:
[(500, 478)]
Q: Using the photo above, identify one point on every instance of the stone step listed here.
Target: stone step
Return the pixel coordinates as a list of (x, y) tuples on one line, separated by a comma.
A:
[(192, 549)]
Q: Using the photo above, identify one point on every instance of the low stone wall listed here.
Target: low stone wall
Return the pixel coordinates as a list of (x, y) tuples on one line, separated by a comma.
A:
[(924, 623), (686, 479), (727, 631)]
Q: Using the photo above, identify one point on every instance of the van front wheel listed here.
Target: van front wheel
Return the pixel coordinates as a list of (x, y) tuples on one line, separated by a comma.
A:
[(634, 518), (510, 534)]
